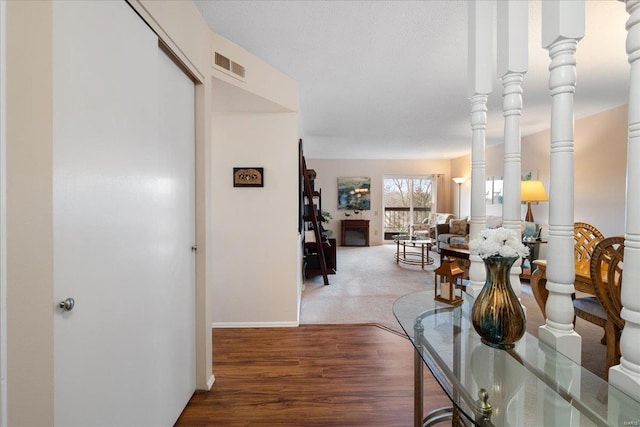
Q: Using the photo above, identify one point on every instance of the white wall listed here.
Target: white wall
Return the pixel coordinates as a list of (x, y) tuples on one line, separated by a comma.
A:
[(257, 258), (256, 255), (29, 214), (3, 218), (328, 171), (261, 80)]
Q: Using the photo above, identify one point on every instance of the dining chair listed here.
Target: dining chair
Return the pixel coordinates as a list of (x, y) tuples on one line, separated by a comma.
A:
[(606, 273), (585, 238)]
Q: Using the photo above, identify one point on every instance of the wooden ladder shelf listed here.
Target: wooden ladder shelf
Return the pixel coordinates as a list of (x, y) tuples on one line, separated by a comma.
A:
[(311, 215)]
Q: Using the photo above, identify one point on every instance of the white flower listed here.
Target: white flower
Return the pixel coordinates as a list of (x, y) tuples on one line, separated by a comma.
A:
[(498, 241)]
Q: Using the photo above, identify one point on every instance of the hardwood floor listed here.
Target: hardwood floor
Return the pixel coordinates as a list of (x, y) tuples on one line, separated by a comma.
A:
[(313, 375)]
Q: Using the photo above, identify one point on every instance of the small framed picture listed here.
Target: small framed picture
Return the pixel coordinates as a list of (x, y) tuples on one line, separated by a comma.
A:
[(248, 177)]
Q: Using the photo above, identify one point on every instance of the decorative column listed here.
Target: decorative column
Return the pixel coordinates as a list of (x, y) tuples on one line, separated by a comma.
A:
[(562, 28), (480, 86), (626, 375), (512, 65)]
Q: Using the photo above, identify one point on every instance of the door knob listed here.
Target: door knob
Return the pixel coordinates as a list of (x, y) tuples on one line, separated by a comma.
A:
[(68, 304)]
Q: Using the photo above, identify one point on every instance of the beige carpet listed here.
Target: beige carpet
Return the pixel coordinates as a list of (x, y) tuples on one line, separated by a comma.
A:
[(368, 281)]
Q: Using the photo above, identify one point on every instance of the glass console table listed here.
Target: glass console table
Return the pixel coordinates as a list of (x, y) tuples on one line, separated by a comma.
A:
[(530, 385)]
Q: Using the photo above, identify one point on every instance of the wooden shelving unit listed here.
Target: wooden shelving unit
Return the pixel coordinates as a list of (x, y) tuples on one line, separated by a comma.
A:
[(319, 252)]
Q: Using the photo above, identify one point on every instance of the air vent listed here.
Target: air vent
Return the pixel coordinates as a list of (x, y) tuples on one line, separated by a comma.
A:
[(224, 62), (237, 69)]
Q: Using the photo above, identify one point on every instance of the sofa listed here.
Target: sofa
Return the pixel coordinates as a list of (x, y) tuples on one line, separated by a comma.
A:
[(455, 231), (459, 234)]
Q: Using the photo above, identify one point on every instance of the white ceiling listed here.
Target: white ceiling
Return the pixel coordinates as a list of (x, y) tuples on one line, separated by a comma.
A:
[(388, 79)]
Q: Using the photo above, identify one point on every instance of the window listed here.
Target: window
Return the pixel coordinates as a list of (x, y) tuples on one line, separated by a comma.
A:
[(407, 201)]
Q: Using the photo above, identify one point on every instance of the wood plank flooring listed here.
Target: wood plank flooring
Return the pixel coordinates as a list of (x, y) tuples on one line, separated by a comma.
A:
[(313, 375)]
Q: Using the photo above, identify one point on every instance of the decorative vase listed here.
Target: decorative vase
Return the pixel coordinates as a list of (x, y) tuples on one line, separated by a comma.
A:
[(497, 314)]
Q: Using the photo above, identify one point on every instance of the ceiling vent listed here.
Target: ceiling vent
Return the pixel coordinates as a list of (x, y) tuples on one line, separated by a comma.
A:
[(233, 67)]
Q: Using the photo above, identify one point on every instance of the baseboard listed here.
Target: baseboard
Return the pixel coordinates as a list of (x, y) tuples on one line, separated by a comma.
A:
[(210, 381), (255, 325)]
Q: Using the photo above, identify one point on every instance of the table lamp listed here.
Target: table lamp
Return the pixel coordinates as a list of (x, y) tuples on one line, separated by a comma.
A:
[(532, 191)]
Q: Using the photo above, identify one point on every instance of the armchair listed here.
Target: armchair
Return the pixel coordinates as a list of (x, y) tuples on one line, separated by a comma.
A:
[(428, 227)]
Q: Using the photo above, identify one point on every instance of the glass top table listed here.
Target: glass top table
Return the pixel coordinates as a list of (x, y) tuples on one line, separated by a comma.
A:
[(404, 256), (530, 385)]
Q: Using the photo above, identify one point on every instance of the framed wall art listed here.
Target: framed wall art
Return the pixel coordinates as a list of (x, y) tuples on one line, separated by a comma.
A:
[(354, 193), (248, 177)]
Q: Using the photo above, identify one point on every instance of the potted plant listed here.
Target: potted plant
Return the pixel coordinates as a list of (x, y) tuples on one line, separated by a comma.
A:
[(324, 218)]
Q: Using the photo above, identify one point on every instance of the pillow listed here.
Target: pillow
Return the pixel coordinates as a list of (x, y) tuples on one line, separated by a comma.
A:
[(458, 226)]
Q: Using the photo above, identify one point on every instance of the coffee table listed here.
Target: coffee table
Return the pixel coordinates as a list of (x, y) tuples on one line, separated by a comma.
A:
[(532, 384), (451, 252), (410, 256)]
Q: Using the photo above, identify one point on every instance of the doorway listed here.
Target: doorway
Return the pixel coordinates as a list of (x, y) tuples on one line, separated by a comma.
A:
[(408, 200)]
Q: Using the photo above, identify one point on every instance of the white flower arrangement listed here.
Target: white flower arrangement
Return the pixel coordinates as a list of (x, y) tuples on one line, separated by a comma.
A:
[(501, 241)]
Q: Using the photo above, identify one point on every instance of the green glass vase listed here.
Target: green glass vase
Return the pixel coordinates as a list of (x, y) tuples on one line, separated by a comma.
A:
[(497, 314)]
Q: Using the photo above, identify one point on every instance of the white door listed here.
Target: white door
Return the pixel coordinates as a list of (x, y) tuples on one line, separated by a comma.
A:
[(124, 220)]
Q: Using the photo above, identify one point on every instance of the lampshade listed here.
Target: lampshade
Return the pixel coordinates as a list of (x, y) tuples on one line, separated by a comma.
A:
[(459, 180), (532, 191)]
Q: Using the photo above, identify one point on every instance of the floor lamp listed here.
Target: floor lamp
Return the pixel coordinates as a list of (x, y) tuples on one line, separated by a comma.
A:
[(532, 191), (459, 180)]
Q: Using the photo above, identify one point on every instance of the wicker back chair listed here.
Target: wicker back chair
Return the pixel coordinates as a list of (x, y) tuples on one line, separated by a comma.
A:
[(606, 273), (586, 237)]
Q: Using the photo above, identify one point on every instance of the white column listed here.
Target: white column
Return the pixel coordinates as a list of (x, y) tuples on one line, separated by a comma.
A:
[(626, 375), (512, 65), (562, 28), (480, 85)]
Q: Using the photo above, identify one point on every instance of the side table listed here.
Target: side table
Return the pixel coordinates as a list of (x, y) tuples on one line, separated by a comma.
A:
[(534, 250)]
